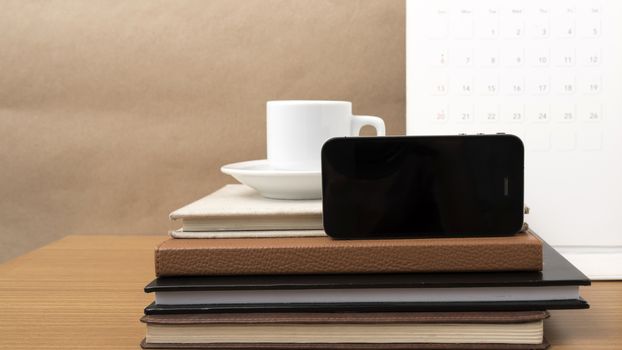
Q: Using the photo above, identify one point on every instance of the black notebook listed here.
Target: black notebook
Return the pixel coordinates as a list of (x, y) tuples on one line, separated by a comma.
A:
[(555, 287)]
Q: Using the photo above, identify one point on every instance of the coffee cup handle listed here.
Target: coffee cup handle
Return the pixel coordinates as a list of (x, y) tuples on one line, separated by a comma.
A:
[(359, 121)]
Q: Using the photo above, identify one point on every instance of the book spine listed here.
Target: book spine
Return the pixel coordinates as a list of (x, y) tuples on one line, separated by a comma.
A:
[(347, 260)]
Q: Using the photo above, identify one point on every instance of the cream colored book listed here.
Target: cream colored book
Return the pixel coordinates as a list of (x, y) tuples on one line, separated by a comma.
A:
[(180, 233), (521, 327), (234, 209)]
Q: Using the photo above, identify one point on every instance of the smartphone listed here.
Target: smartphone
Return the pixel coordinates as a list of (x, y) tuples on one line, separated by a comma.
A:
[(422, 186)]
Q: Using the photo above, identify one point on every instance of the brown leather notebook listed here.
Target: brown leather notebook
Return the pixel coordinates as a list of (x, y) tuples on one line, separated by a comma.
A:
[(386, 330), (323, 255)]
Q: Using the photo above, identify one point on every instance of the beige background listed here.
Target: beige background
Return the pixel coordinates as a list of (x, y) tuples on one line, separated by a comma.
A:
[(114, 113)]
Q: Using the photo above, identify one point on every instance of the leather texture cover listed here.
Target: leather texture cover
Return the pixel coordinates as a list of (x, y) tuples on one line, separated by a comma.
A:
[(346, 346), (242, 201), (241, 208), (557, 271), (323, 255), (348, 317)]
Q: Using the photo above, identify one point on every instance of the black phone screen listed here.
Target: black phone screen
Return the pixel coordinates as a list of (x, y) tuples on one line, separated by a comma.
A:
[(411, 186)]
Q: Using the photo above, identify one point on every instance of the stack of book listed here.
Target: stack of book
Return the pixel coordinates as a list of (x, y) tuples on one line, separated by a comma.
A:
[(246, 272)]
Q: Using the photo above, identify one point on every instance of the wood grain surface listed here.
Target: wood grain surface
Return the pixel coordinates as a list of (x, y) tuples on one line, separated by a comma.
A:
[(87, 292)]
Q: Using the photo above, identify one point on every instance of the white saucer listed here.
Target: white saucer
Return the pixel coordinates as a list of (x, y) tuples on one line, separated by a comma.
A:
[(276, 183)]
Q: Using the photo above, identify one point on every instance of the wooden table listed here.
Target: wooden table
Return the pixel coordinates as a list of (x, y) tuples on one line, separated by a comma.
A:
[(87, 292)]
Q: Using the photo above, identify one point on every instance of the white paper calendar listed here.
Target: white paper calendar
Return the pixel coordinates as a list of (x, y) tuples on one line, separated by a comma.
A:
[(549, 72)]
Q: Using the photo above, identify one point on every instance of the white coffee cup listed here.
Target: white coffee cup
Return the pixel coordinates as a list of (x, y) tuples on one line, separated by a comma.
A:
[(298, 129)]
